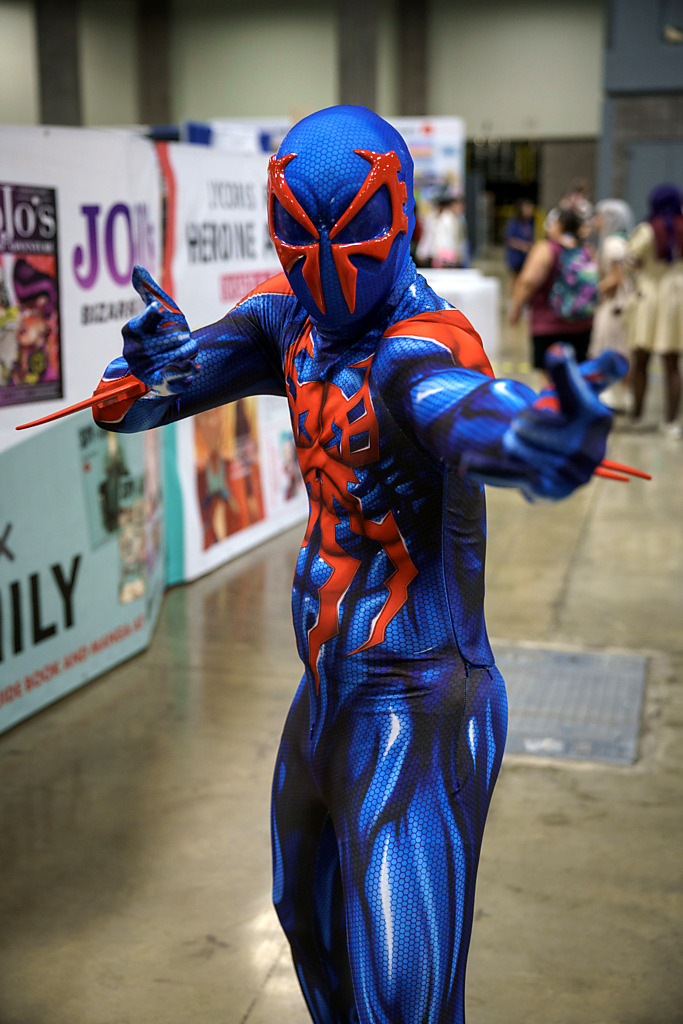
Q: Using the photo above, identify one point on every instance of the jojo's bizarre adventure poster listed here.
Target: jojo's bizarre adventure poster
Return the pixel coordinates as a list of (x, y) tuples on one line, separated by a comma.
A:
[(30, 346)]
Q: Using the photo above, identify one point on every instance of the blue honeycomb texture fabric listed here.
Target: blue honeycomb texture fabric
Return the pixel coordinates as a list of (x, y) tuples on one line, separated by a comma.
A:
[(325, 175), (392, 747), (391, 750)]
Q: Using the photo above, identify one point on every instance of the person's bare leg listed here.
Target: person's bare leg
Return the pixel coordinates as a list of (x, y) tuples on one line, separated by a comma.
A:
[(641, 358), (672, 387)]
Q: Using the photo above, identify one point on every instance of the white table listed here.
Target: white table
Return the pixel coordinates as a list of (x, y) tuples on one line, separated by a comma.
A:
[(475, 295)]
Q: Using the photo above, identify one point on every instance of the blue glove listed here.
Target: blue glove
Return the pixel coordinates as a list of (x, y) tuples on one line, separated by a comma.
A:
[(554, 445), (157, 344)]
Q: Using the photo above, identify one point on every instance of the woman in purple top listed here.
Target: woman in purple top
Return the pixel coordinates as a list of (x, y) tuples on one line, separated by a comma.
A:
[(533, 287)]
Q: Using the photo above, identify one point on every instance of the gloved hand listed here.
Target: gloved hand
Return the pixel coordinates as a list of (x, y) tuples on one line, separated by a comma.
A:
[(157, 344), (555, 444)]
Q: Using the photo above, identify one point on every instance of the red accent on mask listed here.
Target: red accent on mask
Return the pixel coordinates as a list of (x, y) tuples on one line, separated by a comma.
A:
[(331, 445), (289, 254), (384, 168)]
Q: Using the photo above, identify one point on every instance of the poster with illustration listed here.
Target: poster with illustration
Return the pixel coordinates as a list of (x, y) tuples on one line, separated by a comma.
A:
[(122, 498), (292, 481), (79, 208), (228, 470), (283, 484), (154, 507), (30, 344), (437, 146), (234, 481), (84, 566)]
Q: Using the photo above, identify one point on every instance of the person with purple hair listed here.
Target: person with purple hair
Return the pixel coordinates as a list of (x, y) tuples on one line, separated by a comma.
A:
[(656, 324)]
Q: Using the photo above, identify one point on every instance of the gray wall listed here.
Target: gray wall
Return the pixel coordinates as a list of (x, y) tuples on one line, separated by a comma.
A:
[(579, 77), (563, 161), (641, 144), (637, 57), (510, 68)]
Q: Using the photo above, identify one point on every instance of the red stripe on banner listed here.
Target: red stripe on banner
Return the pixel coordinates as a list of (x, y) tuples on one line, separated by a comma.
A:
[(243, 285), (276, 285), (170, 216)]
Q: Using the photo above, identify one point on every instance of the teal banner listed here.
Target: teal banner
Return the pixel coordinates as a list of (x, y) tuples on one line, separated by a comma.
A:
[(81, 558)]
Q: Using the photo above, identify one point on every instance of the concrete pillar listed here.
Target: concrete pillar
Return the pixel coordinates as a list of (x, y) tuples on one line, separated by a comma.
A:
[(153, 62), (412, 57), (58, 62), (357, 51)]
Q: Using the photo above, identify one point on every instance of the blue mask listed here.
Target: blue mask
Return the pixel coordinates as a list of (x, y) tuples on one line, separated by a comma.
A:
[(341, 213)]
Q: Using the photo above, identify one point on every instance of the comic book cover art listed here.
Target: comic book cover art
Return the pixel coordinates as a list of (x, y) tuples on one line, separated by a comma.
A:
[(30, 349), (228, 470), (292, 480), (154, 509), (117, 503)]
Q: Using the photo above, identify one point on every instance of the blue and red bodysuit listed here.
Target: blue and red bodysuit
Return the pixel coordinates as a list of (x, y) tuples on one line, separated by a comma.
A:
[(394, 740)]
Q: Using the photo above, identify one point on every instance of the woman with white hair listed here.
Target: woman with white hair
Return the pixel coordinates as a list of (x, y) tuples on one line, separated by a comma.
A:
[(613, 222)]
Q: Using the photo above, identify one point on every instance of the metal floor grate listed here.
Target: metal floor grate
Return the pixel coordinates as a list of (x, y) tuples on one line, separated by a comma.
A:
[(573, 704)]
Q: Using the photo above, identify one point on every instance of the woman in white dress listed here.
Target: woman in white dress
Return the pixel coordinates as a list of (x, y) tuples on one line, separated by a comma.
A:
[(656, 325)]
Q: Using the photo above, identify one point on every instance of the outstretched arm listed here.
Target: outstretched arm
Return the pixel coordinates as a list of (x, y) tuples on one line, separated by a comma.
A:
[(183, 372), (502, 432), (537, 266), (558, 441)]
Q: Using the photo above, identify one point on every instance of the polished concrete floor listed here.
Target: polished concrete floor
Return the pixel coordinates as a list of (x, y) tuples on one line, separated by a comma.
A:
[(134, 843)]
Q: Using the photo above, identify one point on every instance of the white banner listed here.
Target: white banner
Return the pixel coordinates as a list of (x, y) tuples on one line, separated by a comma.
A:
[(78, 208), (239, 478), (437, 146), (81, 558), (248, 135), (217, 246), (81, 531)]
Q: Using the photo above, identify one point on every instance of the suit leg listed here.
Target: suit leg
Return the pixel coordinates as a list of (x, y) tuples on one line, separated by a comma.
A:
[(307, 889)]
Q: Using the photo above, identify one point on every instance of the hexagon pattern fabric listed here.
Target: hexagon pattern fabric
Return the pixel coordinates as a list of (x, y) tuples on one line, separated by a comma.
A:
[(394, 740)]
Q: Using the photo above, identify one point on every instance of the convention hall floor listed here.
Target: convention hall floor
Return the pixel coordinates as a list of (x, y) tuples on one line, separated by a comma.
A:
[(134, 838)]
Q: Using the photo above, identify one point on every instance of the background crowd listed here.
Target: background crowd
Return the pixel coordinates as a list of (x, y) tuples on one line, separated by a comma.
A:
[(598, 281)]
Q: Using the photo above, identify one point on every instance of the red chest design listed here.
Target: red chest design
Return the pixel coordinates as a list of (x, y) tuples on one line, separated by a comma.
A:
[(335, 435)]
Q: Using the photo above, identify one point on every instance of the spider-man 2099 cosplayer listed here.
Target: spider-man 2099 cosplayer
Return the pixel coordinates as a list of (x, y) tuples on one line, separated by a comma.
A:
[(395, 736)]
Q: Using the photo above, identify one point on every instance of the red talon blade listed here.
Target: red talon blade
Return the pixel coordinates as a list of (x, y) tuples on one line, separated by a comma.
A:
[(616, 470), (620, 468), (107, 393), (599, 471)]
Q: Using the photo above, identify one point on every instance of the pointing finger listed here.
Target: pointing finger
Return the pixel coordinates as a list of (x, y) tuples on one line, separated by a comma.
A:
[(149, 291), (573, 393)]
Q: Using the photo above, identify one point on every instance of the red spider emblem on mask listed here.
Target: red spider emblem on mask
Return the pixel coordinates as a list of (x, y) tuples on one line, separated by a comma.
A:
[(384, 168), (335, 435)]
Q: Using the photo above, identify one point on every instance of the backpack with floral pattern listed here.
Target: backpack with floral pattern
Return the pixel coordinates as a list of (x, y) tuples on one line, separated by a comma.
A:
[(574, 294)]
